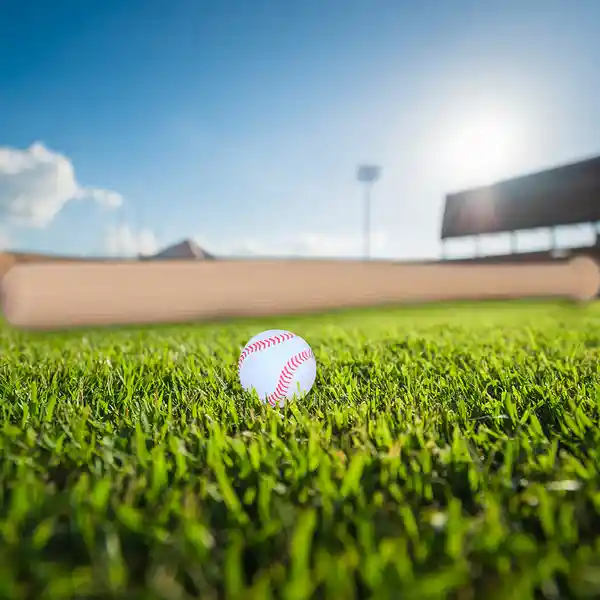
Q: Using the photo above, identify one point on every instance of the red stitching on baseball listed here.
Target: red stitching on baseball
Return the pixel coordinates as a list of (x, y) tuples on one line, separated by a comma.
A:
[(287, 376), (263, 345)]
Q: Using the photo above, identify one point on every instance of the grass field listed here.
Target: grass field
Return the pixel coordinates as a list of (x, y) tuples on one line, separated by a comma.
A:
[(445, 452)]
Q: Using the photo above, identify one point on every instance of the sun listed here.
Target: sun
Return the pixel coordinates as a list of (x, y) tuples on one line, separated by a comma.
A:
[(480, 150)]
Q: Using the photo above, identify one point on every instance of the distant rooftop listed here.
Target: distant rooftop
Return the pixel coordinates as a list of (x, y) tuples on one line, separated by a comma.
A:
[(186, 249)]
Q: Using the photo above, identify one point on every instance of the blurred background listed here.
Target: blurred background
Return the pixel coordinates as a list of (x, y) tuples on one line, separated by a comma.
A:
[(235, 128)]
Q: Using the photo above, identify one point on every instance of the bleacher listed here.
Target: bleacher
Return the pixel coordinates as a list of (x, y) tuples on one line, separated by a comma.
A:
[(565, 195)]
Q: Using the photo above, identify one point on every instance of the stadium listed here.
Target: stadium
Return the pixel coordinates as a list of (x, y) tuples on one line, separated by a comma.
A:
[(563, 196), (449, 450)]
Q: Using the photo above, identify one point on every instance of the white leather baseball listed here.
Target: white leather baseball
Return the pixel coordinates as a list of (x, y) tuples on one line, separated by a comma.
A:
[(278, 365)]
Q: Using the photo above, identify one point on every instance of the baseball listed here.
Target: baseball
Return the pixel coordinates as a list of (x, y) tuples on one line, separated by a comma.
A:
[(278, 365)]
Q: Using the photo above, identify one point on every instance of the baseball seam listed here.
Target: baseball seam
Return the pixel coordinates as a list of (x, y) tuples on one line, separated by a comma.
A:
[(263, 345), (287, 376)]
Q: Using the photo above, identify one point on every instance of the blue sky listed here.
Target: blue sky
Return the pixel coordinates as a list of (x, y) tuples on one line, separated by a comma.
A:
[(240, 124)]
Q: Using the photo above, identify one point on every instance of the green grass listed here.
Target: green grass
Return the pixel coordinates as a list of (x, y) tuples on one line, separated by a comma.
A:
[(444, 452)]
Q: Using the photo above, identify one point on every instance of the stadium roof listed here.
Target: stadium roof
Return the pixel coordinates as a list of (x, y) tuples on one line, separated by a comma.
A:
[(565, 195)]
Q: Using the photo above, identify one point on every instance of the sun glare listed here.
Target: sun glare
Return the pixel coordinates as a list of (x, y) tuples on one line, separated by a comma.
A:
[(481, 151)]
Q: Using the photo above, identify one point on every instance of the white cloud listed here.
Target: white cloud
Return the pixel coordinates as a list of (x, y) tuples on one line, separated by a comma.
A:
[(124, 241), (301, 244), (106, 198), (5, 240), (36, 183)]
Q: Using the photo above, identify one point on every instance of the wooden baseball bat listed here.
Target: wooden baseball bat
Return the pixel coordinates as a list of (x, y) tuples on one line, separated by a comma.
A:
[(58, 295)]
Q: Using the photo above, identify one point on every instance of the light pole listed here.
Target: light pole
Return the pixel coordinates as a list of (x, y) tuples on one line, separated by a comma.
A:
[(367, 174)]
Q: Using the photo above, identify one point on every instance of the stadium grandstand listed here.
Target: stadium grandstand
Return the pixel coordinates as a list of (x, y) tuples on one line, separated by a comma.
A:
[(568, 195)]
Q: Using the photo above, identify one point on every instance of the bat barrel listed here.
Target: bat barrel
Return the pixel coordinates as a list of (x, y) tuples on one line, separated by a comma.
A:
[(57, 295)]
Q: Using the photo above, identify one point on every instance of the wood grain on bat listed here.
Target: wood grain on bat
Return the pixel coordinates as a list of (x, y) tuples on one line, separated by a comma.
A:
[(56, 295)]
